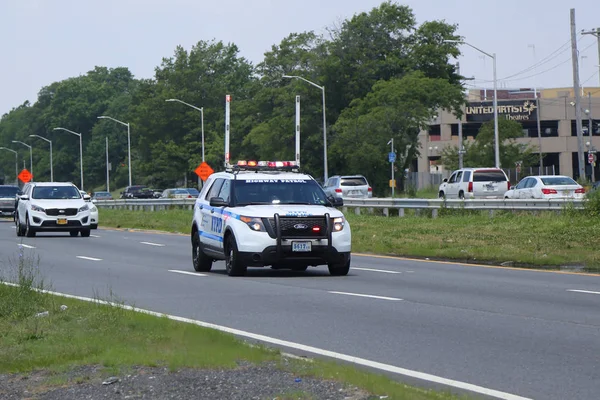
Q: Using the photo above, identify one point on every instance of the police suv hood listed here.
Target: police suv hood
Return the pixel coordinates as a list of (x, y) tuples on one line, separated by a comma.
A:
[(291, 210), (62, 203)]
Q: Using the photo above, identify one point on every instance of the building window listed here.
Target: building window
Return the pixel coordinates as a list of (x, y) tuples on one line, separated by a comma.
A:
[(585, 124)]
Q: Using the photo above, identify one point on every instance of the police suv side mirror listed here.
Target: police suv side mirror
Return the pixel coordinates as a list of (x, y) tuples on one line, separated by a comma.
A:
[(512, 188), (86, 197), (218, 202), (336, 201), (24, 197), (445, 180)]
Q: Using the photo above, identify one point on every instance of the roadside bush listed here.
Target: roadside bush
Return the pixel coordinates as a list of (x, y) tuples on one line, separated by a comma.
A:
[(592, 205)]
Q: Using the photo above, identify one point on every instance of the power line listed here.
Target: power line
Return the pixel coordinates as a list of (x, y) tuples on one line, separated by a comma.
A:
[(548, 58)]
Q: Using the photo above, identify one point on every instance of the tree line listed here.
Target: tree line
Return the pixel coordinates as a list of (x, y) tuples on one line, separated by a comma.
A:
[(384, 76)]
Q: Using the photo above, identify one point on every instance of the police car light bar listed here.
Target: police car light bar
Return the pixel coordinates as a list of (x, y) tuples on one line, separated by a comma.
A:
[(251, 165)]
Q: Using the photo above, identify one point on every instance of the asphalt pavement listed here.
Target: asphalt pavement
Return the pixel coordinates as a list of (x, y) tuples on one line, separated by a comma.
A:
[(529, 333)]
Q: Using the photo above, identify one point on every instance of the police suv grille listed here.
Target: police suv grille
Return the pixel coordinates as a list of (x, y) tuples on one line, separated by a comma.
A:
[(57, 211), (299, 227)]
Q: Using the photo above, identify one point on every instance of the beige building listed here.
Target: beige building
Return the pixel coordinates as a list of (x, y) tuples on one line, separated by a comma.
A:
[(557, 121)]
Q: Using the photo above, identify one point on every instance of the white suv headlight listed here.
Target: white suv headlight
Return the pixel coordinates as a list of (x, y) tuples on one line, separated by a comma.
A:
[(338, 224), (37, 208), (93, 209), (83, 208)]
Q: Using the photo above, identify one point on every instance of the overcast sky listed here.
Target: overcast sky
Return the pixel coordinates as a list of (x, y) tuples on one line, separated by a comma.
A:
[(43, 41)]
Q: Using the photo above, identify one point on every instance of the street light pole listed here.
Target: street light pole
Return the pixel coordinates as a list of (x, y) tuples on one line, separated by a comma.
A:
[(496, 133), (80, 153), (51, 168), (107, 168), (201, 109), (393, 183), (30, 155), (16, 163), (325, 172), (128, 140)]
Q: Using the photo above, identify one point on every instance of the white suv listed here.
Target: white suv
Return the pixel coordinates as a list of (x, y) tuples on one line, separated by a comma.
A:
[(52, 207), (475, 183), (266, 213)]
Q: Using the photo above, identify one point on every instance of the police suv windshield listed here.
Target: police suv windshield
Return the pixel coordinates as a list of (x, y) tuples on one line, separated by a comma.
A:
[(278, 191)]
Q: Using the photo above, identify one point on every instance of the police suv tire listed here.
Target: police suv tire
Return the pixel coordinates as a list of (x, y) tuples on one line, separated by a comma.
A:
[(28, 231), (300, 268), (200, 261), (73, 233), (339, 269), (232, 262), (85, 232)]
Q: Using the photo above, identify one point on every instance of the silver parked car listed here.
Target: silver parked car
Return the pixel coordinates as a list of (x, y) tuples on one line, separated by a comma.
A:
[(546, 187), (348, 186), (471, 183)]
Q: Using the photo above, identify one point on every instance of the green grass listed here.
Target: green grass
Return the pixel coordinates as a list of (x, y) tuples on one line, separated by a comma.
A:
[(544, 240), (95, 334)]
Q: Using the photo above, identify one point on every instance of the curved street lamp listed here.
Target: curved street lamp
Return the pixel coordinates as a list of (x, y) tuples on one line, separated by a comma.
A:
[(325, 173), (80, 152), (30, 154), (128, 140), (16, 163), (49, 141)]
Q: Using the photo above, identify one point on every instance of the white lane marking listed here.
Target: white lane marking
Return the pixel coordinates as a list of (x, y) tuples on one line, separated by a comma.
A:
[(377, 270), (89, 258), (582, 291), (27, 246), (409, 272), (153, 244), (187, 272), (309, 349), (96, 236), (370, 296)]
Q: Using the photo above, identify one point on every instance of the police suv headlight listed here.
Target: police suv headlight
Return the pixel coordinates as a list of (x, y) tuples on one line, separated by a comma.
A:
[(84, 208), (255, 224), (37, 208), (93, 209), (338, 224)]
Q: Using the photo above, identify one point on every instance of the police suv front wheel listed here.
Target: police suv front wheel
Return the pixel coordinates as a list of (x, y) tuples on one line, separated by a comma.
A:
[(200, 261), (232, 259), (339, 269)]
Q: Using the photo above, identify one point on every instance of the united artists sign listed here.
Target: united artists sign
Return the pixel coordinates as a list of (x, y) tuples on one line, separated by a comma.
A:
[(516, 110)]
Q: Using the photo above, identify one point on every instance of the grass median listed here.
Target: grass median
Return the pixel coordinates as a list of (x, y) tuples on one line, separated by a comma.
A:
[(70, 334), (570, 240)]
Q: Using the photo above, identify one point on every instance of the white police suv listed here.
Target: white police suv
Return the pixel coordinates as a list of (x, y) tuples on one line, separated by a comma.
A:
[(257, 214)]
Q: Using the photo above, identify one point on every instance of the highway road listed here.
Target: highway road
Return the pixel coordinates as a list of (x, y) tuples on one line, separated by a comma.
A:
[(527, 333)]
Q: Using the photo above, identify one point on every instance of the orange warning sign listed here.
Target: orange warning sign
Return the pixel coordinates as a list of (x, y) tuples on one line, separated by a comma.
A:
[(25, 176), (204, 171)]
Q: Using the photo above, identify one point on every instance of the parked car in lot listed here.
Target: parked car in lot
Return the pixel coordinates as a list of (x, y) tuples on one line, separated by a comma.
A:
[(471, 183), (52, 207), (546, 187), (137, 192), (8, 194), (348, 186)]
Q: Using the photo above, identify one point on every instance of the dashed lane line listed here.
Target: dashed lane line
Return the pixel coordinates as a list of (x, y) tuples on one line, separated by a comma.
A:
[(187, 272), (385, 271), (370, 296), (27, 246), (89, 258), (153, 244), (582, 291)]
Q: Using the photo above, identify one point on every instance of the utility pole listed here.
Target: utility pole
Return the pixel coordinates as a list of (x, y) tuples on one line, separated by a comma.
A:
[(591, 150), (461, 148), (392, 160), (575, 58), (595, 32)]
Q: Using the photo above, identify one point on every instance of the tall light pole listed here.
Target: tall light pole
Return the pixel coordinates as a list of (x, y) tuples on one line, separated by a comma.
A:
[(107, 168), (496, 135), (30, 154), (128, 140), (201, 109), (325, 173), (49, 141), (16, 163), (80, 152)]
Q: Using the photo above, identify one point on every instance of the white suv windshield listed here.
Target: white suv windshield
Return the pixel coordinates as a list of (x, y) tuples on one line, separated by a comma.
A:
[(278, 191), (55, 193)]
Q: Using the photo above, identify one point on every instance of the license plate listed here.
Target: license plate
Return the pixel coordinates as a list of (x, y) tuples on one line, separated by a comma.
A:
[(566, 192), (61, 221), (301, 246)]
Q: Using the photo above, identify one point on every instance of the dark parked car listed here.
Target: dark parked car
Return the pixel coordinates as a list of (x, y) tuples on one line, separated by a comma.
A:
[(8, 196), (137, 192)]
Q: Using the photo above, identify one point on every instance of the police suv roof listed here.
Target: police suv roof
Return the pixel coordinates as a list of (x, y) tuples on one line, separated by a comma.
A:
[(262, 175)]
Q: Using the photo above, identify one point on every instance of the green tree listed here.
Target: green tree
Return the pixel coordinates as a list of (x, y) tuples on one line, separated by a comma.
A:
[(480, 152), (396, 108)]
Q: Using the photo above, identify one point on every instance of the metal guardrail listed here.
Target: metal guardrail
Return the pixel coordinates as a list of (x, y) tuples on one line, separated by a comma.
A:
[(386, 204)]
